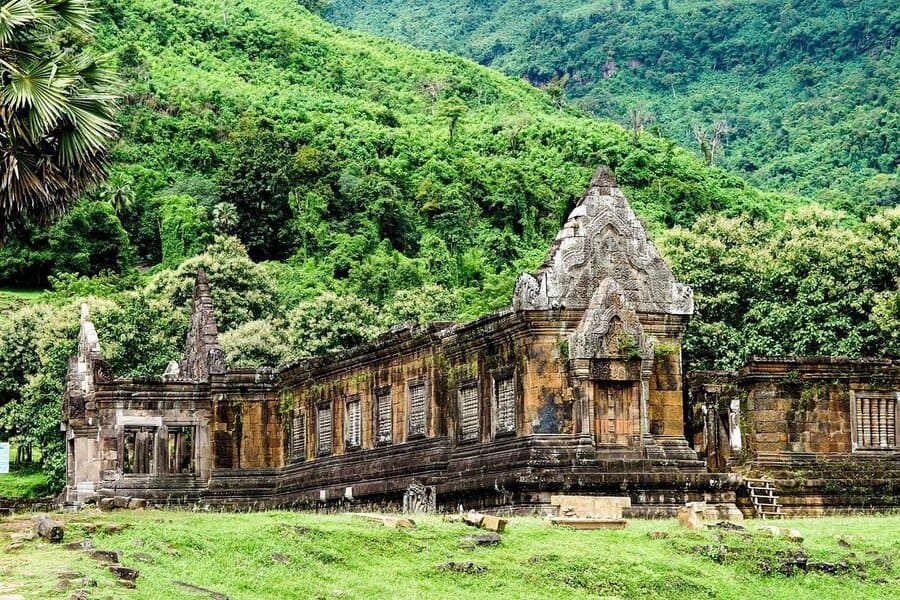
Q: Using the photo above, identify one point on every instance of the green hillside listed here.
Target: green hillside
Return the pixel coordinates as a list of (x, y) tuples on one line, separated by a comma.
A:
[(808, 88), (261, 120)]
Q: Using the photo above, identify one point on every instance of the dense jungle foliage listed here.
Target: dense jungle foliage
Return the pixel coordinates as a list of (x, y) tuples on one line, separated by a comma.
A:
[(333, 184), (808, 88)]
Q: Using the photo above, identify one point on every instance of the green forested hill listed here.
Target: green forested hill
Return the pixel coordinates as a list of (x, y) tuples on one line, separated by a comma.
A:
[(259, 119), (809, 89)]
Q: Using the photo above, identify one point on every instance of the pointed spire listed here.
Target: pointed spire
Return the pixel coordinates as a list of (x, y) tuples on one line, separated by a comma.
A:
[(202, 354), (603, 177)]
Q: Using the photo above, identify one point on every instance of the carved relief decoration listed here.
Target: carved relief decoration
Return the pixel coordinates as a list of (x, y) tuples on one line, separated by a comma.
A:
[(610, 327), (419, 498), (602, 239)]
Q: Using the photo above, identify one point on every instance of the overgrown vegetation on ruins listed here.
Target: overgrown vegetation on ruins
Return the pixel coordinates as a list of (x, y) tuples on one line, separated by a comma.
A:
[(311, 171)]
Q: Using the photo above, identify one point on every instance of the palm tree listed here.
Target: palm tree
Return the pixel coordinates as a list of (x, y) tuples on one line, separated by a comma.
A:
[(56, 110)]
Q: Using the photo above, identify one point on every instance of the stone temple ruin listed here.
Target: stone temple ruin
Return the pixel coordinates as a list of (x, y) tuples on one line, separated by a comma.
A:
[(577, 388)]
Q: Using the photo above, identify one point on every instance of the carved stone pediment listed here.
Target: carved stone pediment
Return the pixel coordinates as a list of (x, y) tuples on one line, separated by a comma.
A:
[(610, 328), (603, 239)]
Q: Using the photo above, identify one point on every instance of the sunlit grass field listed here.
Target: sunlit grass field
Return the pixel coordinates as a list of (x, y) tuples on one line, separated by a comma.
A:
[(303, 555)]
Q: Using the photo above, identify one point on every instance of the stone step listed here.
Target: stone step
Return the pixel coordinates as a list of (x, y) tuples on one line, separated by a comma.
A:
[(765, 500)]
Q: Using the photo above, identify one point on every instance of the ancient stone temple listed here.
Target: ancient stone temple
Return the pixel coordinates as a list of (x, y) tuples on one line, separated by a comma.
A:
[(577, 388)]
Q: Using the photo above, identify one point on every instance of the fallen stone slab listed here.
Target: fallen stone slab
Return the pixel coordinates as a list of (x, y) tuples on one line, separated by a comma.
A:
[(121, 501), (14, 547), (79, 545), (114, 528), (494, 523), (280, 558), (791, 534), (603, 507), (483, 539), (828, 568), (658, 535), (106, 504), (106, 556), (200, 590), (483, 521), (137, 504), (79, 582), (690, 515), (386, 520), (793, 562), (589, 524), (729, 525), (47, 528), (473, 518), (462, 567), (127, 583), (124, 572)]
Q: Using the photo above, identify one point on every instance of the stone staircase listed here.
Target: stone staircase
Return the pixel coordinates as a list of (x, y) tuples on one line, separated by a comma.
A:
[(764, 498)]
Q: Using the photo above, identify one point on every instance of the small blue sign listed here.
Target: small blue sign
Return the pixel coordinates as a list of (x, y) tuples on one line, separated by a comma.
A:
[(4, 457)]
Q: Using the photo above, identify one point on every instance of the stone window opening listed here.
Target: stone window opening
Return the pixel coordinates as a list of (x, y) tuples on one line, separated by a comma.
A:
[(416, 404), (469, 411), (352, 423), (875, 420), (180, 449), (138, 450), (324, 429), (383, 417), (504, 401), (298, 436)]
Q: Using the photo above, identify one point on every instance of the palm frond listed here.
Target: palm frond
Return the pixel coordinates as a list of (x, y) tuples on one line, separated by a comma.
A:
[(14, 15), (76, 13), (38, 91)]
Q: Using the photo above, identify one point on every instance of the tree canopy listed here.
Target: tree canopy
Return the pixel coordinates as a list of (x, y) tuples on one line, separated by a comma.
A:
[(56, 109)]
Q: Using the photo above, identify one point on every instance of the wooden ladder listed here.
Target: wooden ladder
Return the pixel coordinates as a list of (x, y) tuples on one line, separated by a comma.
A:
[(764, 498)]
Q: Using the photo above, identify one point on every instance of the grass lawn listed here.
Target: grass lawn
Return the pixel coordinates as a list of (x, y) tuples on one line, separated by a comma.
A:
[(302, 555), (13, 298), (24, 481)]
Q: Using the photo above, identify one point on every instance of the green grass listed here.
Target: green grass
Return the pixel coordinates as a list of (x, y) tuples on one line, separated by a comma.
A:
[(24, 481), (11, 298), (340, 556), (28, 482)]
